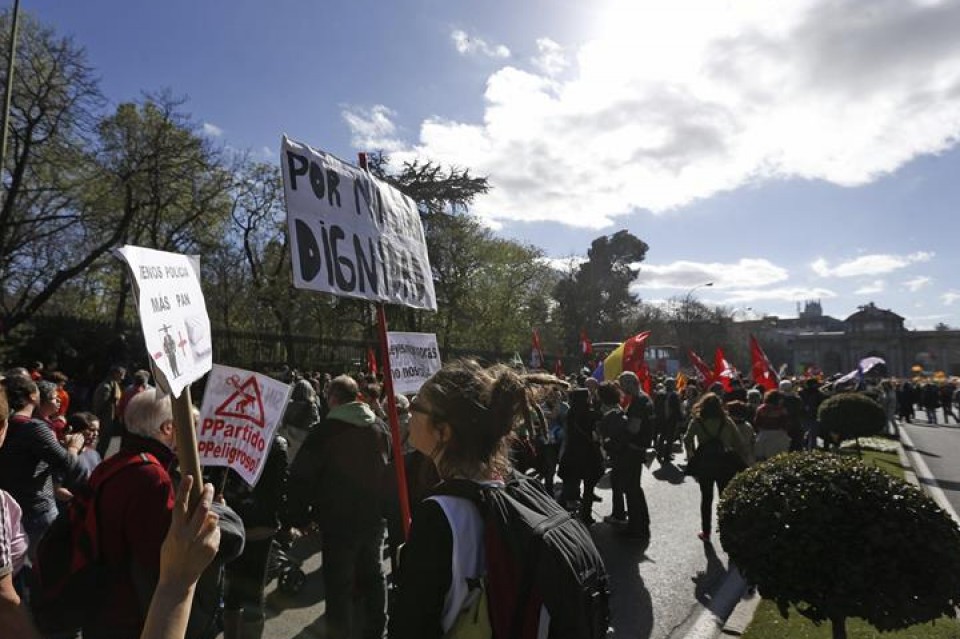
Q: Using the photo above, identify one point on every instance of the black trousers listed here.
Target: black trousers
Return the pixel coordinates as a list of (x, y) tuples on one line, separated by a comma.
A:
[(246, 579), (638, 515), (616, 485), (549, 456), (353, 573), (666, 435), (706, 498)]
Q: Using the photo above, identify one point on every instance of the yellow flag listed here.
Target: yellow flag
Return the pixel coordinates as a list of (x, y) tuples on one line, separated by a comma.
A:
[(681, 382)]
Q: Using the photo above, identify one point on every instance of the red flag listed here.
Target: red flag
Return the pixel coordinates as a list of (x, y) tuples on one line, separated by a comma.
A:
[(723, 371), (536, 352), (645, 380), (586, 346), (558, 368), (634, 360), (704, 374), (371, 361), (762, 370)]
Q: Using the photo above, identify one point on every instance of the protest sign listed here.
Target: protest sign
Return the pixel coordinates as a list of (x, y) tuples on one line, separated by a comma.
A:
[(414, 357), (240, 414), (173, 315), (353, 235)]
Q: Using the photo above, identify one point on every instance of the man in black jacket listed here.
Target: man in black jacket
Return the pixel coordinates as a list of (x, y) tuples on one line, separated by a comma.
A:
[(639, 438), (335, 482)]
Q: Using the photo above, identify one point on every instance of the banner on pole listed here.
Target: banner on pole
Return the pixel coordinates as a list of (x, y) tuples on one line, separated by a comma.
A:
[(353, 235), (414, 357), (173, 315), (240, 414)]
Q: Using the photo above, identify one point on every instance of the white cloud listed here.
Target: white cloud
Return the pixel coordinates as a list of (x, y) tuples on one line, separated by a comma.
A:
[(876, 264), (784, 294), (949, 297), (372, 129), (684, 274), (552, 60), (877, 286), (917, 283), (563, 264), (467, 44), (676, 101), (212, 130), (925, 322)]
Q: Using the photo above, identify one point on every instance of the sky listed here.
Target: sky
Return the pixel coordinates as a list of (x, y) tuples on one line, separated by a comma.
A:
[(783, 151)]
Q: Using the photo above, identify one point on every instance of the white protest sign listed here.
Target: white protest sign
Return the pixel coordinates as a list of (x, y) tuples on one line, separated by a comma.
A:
[(173, 315), (414, 357), (240, 413), (353, 235)]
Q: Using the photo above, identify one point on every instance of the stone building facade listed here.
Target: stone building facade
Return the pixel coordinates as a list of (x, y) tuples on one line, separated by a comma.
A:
[(837, 346)]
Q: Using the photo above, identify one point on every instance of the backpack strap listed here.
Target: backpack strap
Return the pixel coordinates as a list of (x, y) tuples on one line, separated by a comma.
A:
[(723, 422), (463, 488), (134, 460), (109, 473)]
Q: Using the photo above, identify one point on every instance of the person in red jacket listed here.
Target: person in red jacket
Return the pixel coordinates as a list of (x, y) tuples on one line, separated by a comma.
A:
[(135, 508)]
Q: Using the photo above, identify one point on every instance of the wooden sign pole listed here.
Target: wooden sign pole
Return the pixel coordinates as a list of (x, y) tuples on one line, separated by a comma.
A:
[(187, 455)]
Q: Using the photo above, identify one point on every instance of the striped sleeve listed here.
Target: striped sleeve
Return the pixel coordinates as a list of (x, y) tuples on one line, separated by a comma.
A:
[(6, 535)]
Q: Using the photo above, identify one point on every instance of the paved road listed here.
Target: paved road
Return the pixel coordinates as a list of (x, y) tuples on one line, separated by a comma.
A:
[(661, 593), (938, 447)]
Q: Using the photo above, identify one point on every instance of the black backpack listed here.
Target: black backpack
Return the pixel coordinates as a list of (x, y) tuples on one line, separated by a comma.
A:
[(713, 459), (537, 555)]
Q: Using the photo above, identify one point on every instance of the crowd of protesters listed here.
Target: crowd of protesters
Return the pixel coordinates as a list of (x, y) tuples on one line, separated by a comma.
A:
[(329, 470)]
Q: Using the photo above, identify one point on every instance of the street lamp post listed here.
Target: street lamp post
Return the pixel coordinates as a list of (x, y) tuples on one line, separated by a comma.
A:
[(689, 294), (685, 319)]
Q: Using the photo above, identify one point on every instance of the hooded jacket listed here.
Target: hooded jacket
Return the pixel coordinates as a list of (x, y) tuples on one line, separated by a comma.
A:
[(336, 478)]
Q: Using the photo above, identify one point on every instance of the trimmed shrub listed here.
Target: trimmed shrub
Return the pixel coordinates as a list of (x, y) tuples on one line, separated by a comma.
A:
[(851, 415), (840, 539)]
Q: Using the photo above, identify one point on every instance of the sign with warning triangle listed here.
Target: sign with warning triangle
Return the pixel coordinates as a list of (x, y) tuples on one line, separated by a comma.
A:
[(240, 413), (246, 402)]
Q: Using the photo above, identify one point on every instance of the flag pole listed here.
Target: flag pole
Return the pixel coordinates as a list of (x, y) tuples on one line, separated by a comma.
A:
[(12, 54), (398, 459)]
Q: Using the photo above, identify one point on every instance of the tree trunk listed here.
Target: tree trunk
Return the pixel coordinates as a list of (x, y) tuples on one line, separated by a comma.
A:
[(839, 624), (121, 306)]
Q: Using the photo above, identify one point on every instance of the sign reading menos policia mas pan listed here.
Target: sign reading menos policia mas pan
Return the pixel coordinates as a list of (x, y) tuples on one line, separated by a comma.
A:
[(173, 315), (351, 234)]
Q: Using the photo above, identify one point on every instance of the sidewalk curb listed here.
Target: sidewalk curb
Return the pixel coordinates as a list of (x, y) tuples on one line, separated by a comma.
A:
[(736, 624), (742, 615)]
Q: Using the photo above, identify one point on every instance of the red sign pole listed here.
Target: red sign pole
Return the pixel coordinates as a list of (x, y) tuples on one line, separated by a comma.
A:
[(398, 460)]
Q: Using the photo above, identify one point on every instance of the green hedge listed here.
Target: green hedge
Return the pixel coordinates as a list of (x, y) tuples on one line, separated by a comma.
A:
[(851, 415), (840, 539)]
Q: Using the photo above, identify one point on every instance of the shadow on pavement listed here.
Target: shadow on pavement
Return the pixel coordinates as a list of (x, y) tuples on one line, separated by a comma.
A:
[(629, 597), (945, 484), (305, 550), (668, 471), (706, 581), (313, 631), (922, 452)]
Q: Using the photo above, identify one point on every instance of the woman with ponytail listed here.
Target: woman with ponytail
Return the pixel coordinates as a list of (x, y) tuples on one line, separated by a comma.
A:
[(461, 419)]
